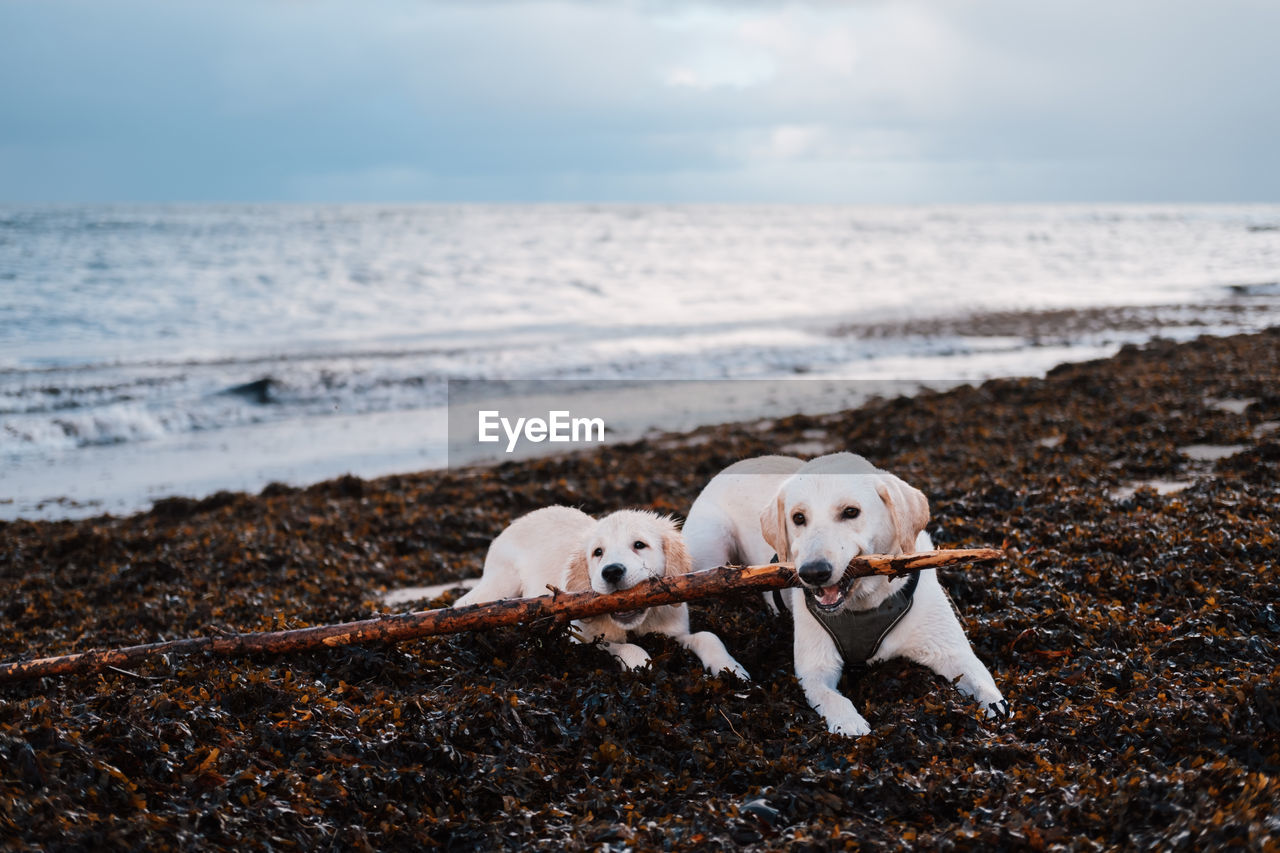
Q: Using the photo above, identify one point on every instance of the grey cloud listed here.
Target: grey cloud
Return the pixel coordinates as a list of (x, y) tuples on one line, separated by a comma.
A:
[(994, 100)]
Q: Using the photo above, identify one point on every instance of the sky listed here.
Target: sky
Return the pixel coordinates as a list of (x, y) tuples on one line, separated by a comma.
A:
[(866, 101)]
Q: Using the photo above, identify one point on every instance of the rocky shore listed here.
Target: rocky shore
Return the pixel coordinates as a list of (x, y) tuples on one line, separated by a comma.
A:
[(1134, 628)]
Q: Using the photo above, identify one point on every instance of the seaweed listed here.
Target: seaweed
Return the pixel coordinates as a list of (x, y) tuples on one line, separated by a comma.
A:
[(1136, 634)]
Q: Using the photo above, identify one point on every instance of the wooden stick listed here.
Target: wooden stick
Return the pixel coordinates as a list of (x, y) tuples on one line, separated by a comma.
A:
[(560, 607)]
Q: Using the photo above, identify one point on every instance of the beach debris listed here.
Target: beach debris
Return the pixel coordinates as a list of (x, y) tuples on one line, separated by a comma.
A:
[(1138, 641)]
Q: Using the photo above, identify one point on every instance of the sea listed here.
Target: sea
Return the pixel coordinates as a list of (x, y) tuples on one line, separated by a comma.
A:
[(157, 350)]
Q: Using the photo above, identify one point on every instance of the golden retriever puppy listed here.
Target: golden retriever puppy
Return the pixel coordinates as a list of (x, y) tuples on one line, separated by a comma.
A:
[(565, 548), (819, 515)]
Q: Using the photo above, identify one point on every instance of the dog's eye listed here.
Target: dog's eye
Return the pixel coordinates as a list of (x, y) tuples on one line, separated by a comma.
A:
[(851, 512), (797, 518), (599, 552), (638, 545)]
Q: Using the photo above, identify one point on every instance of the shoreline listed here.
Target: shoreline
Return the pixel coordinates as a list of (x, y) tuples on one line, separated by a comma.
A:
[(1135, 635), (126, 477)]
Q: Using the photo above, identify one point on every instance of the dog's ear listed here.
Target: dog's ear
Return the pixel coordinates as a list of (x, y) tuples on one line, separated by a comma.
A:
[(773, 526), (908, 507), (674, 553), (576, 578)]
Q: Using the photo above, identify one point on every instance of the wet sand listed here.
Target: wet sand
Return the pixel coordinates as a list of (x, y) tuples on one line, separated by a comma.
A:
[(1134, 631), (1066, 326)]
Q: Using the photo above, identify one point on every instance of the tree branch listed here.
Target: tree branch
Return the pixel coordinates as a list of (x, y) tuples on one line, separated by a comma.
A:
[(560, 606)]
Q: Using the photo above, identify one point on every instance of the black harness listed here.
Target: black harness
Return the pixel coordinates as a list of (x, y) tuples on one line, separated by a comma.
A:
[(859, 633)]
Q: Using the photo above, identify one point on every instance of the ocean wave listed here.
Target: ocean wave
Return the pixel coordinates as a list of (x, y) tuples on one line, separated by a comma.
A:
[(127, 324), (114, 424), (48, 411)]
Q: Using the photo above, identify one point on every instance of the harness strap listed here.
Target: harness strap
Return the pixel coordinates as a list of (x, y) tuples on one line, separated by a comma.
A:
[(858, 634), (778, 601)]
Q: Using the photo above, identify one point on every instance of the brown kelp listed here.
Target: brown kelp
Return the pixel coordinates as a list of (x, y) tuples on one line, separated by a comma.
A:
[(1133, 626)]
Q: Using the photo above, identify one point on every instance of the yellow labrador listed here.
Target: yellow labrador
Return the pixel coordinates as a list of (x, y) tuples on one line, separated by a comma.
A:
[(819, 515), (566, 548)]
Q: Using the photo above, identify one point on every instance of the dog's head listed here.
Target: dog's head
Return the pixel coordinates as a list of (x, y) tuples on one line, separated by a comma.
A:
[(835, 508), (625, 548)]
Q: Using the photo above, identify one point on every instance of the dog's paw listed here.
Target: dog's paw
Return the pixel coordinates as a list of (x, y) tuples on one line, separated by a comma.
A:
[(720, 664), (714, 656), (851, 724), (630, 656), (856, 727)]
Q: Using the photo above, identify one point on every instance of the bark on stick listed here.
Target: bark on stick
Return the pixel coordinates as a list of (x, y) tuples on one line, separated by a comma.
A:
[(559, 606)]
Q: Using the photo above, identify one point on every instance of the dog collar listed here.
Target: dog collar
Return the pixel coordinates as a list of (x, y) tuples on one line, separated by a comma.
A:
[(858, 634)]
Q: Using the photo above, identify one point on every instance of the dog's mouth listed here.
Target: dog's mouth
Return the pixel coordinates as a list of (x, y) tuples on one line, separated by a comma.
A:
[(829, 598), (628, 618)]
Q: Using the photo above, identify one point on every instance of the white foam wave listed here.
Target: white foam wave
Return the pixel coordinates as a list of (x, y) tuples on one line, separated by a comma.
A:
[(130, 325)]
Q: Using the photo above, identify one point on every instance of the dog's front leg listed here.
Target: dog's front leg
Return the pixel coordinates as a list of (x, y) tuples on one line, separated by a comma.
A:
[(673, 621), (818, 669), (711, 651), (957, 663), (612, 639), (932, 636), (974, 680), (629, 655)]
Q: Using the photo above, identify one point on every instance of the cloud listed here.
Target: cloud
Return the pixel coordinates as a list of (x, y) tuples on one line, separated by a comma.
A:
[(865, 101)]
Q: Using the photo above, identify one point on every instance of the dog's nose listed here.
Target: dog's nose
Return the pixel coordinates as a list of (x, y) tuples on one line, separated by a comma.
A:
[(613, 572), (815, 572)]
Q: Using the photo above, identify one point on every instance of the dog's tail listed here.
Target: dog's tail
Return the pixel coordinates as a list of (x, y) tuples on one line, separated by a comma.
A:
[(425, 593)]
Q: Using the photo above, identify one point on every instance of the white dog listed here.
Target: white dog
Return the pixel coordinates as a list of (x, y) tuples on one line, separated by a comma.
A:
[(565, 548), (819, 515)]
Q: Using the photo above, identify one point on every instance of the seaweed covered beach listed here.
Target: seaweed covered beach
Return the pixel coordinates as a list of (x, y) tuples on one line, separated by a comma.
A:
[(1133, 626)]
